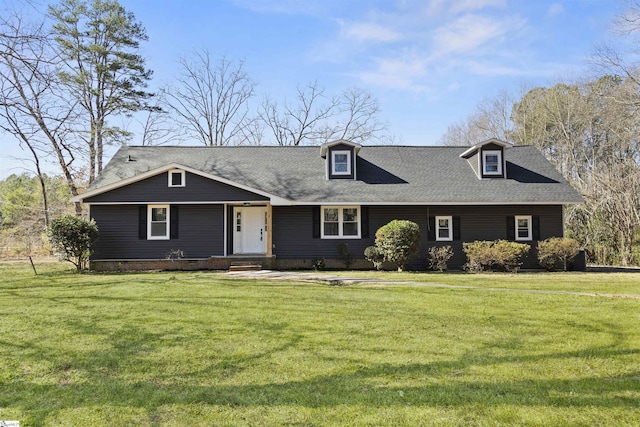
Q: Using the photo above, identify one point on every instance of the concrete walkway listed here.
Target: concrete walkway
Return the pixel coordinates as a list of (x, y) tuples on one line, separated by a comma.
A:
[(330, 279)]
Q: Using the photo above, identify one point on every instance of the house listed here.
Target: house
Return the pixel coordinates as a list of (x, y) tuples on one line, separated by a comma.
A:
[(286, 206)]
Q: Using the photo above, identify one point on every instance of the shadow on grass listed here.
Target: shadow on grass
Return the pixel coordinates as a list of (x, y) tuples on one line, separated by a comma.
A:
[(437, 384), (364, 387)]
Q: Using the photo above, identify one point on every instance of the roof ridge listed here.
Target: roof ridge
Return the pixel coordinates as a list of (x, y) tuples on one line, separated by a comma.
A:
[(304, 146)]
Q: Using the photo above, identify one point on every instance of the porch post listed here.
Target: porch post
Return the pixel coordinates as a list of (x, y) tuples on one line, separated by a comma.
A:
[(269, 230)]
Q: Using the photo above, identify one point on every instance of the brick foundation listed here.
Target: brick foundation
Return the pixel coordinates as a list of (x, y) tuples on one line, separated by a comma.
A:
[(221, 263)]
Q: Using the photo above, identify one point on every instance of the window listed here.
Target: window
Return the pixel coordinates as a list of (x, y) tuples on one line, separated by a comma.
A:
[(176, 178), (340, 222), (492, 162), (444, 228), (523, 227), (158, 222), (341, 162)]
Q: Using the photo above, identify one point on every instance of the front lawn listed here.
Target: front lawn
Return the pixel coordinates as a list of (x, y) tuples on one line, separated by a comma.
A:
[(200, 348), (603, 283)]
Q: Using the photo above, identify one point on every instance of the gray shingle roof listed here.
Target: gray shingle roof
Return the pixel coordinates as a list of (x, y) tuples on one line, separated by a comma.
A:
[(386, 174)]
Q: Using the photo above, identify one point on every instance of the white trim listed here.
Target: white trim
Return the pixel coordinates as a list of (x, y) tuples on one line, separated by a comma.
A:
[(335, 153), (183, 177), (349, 203), (225, 229), (325, 147), (529, 228), (449, 228), (139, 177), (150, 208), (292, 203), (503, 144), (173, 202), (500, 162), (340, 222)]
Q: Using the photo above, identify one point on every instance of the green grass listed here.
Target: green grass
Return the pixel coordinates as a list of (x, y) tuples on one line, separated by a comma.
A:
[(603, 283), (199, 348)]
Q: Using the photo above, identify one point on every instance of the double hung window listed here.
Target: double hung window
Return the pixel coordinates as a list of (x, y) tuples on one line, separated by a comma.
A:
[(492, 162), (340, 222), (444, 228), (158, 222), (341, 161), (523, 227)]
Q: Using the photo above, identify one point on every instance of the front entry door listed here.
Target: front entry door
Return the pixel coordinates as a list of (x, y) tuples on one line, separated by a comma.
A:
[(250, 231)]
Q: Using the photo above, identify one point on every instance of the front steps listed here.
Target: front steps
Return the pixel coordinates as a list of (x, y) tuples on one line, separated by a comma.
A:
[(245, 266)]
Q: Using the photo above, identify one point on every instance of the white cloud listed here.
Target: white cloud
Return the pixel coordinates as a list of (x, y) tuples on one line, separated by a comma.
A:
[(467, 33), (366, 31), (555, 9), (415, 45), (291, 7), (463, 6), (398, 73)]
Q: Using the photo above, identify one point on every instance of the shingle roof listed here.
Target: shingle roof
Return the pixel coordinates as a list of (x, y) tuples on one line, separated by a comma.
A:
[(385, 174)]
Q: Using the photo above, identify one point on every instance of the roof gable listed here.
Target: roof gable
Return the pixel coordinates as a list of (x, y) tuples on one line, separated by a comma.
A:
[(327, 145), (94, 193), (489, 142)]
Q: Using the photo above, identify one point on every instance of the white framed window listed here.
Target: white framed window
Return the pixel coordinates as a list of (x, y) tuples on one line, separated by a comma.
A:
[(158, 222), (177, 178), (340, 222), (444, 228), (523, 227), (492, 162), (341, 162)]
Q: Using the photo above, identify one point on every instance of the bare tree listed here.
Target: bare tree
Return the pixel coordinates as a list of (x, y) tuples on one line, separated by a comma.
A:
[(158, 128), (211, 99), (302, 122), (358, 117), (491, 119), (33, 106), (315, 117)]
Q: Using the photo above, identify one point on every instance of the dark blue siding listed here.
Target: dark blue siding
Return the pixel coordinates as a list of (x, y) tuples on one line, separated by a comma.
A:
[(200, 233), (292, 229), (156, 189)]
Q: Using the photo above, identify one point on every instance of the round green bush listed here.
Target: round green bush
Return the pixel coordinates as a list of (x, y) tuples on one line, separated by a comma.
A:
[(398, 241)]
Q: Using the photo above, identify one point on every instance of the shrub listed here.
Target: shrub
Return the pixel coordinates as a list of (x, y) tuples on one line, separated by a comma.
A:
[(318, 264), (174, 254), (497, 255), (345, 256), (73, 237), (555, 252), (374, 254), (439, 256), (398, 241)]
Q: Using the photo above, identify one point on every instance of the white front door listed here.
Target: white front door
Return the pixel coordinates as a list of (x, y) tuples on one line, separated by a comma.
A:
[(250, 231)]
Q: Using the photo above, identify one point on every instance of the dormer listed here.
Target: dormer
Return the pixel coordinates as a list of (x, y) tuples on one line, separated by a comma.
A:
[(487, 158), (340, 158)]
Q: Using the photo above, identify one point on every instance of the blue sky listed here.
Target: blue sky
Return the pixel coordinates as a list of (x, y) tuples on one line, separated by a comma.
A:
[(428, 62)]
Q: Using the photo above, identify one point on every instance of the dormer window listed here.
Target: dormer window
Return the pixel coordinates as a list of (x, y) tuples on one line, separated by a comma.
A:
[(492, 162), (177, 178), (341, 161), (488, 158)]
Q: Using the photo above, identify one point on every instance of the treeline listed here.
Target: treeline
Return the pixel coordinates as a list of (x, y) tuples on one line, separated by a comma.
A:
[(590, 131), (589, 128), (24, 214), (72, 71)]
